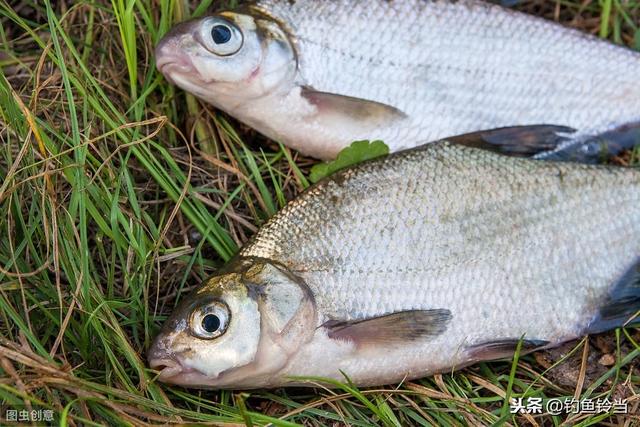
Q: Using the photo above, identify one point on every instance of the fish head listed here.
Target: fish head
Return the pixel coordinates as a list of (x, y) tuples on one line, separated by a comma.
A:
[(228, 57), (237, 330)]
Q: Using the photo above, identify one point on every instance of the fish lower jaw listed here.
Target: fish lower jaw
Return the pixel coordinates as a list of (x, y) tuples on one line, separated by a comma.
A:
[(172, 371), (174, 72)]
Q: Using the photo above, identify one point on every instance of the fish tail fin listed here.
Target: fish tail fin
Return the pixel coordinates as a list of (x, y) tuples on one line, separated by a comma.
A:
[(597, 148), (622, 305)]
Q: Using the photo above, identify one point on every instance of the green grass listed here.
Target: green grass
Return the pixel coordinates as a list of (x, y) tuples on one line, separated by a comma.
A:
[(121, 192)]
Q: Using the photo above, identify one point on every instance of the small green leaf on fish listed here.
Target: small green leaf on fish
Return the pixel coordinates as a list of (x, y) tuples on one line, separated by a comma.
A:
[(357, 152)]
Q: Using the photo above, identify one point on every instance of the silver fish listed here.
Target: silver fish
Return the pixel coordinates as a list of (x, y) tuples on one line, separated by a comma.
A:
[(318, 75), (425, 261)]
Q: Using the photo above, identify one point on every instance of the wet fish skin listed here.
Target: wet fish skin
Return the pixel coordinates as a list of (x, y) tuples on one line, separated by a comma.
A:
[(440, 68), (464, 248)]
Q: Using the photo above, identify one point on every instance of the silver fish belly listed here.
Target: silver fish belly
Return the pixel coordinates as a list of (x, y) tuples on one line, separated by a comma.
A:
[(412, 71), (434, 258)]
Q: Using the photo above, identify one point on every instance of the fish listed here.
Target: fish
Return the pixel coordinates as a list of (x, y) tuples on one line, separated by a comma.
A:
[(420, 262), (317, 75)]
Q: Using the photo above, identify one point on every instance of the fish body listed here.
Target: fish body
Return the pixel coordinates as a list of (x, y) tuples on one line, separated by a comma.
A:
[(421, 262), (318, 75)]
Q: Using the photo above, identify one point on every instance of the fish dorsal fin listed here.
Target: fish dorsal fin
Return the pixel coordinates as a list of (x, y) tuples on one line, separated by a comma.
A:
[(394, 328), (553, 143), (501, 349), (356, 114), (622, 305), (517, 141)]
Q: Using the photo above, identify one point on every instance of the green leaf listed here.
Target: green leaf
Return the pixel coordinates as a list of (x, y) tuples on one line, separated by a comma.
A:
[(636, 40), (357, 152)]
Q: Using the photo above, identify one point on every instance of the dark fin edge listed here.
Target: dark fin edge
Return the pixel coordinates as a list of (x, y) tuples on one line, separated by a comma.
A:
[(502, 349), (517, 141), (622, 305), (598, 148), (553, 143)]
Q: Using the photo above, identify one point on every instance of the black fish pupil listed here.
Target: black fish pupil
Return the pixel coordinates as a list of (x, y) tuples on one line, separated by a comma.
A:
[(220, 34), (211, 323)]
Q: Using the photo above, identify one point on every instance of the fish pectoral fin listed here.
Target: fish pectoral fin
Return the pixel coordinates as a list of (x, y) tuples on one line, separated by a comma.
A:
[(517, 141), (501, 349), (394, 328), (622, 306), (345, 111)]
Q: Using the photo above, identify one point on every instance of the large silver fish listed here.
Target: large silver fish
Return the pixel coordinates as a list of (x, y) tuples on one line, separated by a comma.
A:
[(425, 261), (318, 75)]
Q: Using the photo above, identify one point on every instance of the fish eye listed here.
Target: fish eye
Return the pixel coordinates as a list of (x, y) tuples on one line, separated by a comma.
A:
[(220, 34), (210, 320), (221, 37)]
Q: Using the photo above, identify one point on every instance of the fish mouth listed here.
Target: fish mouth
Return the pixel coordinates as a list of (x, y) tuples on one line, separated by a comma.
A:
[(168, 367), (174, 372), (171, 366), (169, 59), (179, 71), (171, 64)]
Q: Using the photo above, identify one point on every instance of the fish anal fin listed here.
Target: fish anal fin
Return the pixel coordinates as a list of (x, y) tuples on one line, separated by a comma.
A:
[(390, 329), (622, 305), (517, 141), (501, 349), (360, 115)]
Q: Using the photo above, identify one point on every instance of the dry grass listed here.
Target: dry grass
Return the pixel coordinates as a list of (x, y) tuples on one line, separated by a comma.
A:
[(111, 179)]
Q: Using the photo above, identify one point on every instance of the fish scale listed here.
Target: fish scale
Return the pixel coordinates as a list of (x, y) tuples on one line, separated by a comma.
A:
[(455, 67), (477, 248), (428, 259), (318, 75), (506, 225)]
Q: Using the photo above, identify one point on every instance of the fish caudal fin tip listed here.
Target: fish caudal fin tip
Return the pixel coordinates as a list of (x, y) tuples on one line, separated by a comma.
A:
[(622, 305)]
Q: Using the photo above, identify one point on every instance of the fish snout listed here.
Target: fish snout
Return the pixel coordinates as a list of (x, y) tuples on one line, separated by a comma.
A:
[(163, 360), (170, 54), (168, 367), (170, 60), (172, 367)]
